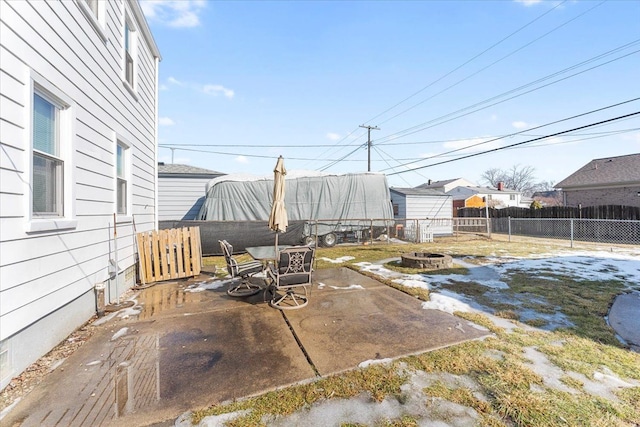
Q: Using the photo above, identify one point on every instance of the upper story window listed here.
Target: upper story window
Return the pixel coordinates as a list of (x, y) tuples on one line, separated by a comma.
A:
[(96, 11), (129, 52), (48, 164), (512, 197), (121, 179), (93, 6)]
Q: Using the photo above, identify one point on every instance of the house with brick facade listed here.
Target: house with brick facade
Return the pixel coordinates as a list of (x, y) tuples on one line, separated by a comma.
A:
[(606, 181)]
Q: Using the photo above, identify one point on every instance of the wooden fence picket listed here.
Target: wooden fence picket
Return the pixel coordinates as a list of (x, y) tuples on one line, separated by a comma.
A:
[(169, 254)]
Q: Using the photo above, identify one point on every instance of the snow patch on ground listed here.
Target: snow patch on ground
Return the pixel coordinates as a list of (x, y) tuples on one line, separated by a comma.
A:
[(370, 362), (122, 332), (340, 260), (342, 288), (208, 285), (603, 384)]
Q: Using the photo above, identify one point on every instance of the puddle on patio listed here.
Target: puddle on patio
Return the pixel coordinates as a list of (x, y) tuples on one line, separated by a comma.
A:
[(171, 296)]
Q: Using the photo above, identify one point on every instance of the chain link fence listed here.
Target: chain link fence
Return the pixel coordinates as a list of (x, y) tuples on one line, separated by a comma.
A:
[(572, 229)]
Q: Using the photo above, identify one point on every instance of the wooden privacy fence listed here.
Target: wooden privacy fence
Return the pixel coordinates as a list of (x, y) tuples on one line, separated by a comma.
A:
[(169, 254)]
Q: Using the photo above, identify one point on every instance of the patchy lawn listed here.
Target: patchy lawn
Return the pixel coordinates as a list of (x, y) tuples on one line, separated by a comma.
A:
[(552, 361)]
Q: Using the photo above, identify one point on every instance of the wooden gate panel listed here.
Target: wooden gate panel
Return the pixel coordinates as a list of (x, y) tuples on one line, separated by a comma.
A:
[(169, 254)]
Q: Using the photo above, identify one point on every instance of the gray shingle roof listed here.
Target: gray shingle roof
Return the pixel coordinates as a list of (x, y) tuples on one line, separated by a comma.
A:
[(486, 190), (418, 191), (184, 170), (437, 183), (605, 171)]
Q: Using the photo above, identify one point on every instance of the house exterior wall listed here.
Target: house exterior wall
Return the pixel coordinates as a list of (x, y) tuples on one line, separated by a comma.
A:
[(439, 209), (49, 266), (626, 196), (180, 198), (474, 202)]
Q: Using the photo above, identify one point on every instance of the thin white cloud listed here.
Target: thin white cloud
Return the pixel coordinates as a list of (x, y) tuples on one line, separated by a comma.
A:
[(633, 137), (215, 90), (174, 81), (528, 3), (471, 145), (163, 87), (333, 136), (166, 121), (209, 89), (520, 124), (242, 159), (174, 13)]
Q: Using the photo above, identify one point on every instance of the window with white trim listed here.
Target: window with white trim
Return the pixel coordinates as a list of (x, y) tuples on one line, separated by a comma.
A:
[(122, 182), (95, 11), (94, 7), (48, 163), (129, 52)]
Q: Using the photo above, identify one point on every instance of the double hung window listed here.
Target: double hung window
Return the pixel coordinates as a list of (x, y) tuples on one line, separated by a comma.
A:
[(48, 165), (121, 179), (129, 40)]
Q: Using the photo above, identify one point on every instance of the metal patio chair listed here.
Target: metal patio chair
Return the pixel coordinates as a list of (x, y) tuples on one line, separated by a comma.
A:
[(290, 275), (242, 270)]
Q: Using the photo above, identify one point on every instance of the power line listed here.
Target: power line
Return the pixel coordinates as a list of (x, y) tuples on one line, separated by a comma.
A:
[(454, 70), (417, 128), (495, 62), (439, 120), (518, 143), (527, 130), (466, 62)]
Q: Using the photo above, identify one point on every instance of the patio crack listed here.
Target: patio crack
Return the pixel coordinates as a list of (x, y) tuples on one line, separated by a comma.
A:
[(304, 351)]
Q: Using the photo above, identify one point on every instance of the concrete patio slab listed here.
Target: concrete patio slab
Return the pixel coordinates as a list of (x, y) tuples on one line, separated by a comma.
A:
[(361, 320), (187, 350), (186, 298), (155, 370)]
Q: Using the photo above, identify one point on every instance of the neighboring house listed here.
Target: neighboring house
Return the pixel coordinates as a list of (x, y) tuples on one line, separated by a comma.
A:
[(607, 181), (78, 117), (181, 190), (422, 204), (446, 185), (478, 197)]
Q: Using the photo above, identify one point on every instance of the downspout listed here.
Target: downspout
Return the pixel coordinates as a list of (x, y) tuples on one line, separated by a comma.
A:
[(155, 145)]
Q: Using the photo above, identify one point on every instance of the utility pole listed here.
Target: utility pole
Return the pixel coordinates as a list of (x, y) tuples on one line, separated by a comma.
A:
[(171, 148), (368, 128)]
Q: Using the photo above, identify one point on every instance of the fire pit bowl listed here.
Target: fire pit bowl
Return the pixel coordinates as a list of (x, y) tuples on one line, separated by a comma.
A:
[(426, 260)]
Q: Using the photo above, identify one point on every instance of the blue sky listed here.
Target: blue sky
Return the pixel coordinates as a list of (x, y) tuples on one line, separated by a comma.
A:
[(244, 82)]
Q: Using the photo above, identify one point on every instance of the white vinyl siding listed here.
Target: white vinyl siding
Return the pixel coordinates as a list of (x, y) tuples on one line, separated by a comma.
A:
[(180, 198), (49, 266), (436, 208)]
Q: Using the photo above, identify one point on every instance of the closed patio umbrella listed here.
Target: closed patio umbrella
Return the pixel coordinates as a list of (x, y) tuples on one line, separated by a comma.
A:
[(278, 220)]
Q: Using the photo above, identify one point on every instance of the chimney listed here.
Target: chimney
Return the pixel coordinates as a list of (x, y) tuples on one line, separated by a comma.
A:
[(501, 186), (429, 183)]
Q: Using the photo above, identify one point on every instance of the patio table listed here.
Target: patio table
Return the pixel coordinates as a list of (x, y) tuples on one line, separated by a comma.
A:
[(265, 253)]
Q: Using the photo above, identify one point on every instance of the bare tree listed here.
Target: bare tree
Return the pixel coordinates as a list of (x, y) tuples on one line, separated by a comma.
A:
[(520, 178)]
